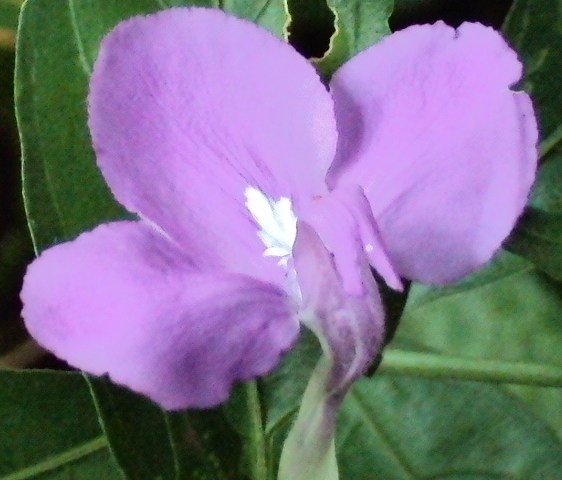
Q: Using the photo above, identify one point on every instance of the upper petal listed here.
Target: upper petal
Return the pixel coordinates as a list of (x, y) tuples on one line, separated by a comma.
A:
[(445, 151), (190, 107), (125, 301)]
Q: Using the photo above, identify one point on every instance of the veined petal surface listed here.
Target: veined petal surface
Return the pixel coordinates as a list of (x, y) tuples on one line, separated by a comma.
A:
[(188, 108), (443, 148), (125, 301)]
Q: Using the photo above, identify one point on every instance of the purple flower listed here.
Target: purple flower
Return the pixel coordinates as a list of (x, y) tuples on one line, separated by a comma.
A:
[(263, 198)]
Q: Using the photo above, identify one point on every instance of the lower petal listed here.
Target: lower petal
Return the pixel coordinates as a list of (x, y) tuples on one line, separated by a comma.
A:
[(122, 300)]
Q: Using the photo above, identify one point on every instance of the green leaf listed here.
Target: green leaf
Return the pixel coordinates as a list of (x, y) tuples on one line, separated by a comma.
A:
[(270, 14), (359, 24), (283, 389), (539, 238), (55, 438), (245, 413), (125, 418), (63, 189), (539, 233), (508, 312), (407, 428), (207, 446), (533, 27), (149, 443)]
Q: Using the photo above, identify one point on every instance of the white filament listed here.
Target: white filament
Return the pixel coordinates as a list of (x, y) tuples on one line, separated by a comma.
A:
[(277, 223)]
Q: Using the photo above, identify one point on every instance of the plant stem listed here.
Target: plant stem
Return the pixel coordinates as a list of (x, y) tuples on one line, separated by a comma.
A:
[(433, 365), (258, 463)]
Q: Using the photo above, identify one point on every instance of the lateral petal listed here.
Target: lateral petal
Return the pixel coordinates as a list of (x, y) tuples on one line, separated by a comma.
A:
[(444, 149), (123, 300)]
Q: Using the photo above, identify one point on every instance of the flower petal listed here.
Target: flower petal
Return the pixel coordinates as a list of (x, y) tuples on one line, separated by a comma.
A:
[(188, 108), (125, 301), (445, 151), (343, 220)]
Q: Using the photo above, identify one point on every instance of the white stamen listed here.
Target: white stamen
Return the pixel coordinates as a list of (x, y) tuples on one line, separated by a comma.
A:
[(277, 222)]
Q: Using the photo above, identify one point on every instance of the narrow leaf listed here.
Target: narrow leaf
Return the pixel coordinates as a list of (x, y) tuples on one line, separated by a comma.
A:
[(50, 429)]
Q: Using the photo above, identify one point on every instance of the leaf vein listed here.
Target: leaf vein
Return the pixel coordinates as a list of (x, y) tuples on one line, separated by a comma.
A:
[(60, 460), (84, 62), (374, 425)]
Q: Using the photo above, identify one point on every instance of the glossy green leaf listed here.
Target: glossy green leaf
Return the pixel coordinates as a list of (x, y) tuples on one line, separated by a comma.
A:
[(149, 443), (359, 24), (50, 429), (125, 417), (63, 189), (246, 414), (406, 428), (207, 446), (270, 14)]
